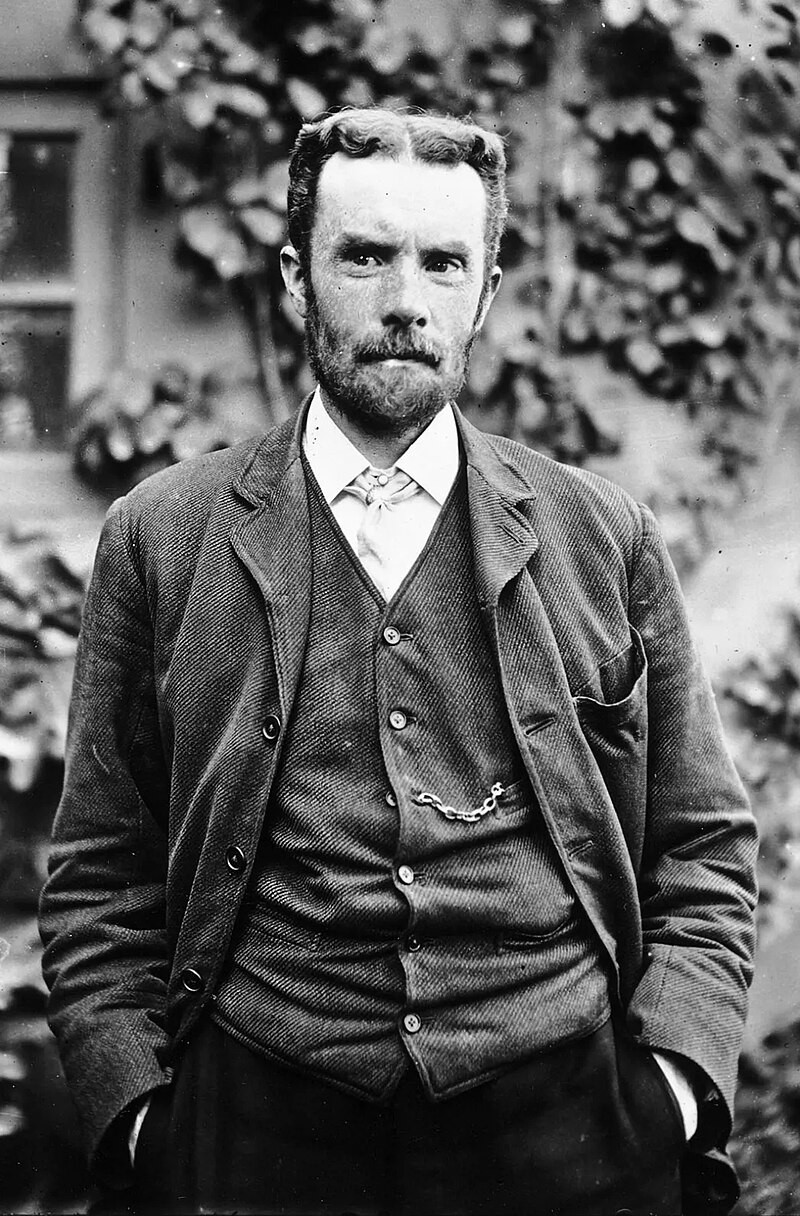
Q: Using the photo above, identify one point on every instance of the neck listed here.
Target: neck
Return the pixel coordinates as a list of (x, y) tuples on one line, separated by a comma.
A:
[(382, 450)]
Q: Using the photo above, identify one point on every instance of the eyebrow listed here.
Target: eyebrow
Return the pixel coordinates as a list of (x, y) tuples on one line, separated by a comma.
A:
[(384, 241)]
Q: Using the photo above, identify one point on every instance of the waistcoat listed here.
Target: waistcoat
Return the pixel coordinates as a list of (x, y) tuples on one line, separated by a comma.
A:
[(407, 903)]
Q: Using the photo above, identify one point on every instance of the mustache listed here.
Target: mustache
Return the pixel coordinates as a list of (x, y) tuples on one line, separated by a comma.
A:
[(374, 350)]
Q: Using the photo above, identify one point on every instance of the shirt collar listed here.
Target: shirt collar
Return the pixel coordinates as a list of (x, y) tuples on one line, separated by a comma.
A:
[(432, 460)]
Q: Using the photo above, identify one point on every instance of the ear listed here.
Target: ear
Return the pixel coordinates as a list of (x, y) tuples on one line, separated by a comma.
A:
[(293, 277), (489, 293)]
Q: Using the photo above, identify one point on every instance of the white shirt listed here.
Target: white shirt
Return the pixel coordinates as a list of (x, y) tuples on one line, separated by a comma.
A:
[(432, 460)]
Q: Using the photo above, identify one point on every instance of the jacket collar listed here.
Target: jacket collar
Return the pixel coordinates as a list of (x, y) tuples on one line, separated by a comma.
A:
[(501, 505)]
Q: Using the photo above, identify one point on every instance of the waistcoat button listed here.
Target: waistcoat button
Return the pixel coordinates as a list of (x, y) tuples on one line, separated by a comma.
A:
[(271, 728), (192, 980), (391, 635), (398, 720), (413, 943), (235, 859), (406, 874), (390, 798), (411, 1023)]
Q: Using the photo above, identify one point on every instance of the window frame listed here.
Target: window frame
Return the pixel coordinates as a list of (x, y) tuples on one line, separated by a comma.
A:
[(93, 292)]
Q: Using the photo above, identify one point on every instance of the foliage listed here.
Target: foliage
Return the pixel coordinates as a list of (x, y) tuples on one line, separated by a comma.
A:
[(686, 255), (140, 422), (681, 261), (41, 595), (764, 695), (766, 1144)]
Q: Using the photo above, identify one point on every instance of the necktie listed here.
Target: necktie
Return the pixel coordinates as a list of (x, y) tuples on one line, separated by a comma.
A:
[(380, 490)]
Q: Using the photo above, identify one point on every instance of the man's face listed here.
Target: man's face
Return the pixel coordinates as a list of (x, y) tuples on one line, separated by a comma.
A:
[(395, 294)]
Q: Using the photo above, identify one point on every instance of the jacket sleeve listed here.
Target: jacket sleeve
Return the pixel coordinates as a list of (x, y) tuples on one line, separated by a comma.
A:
[(102, 913), (697, 886)]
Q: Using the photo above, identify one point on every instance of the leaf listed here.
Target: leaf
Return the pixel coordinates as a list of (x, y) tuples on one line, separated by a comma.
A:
[(793, 256), (644, 357), (147, 24), (661, 135), (577, 327), (199, 107), (708, 331), (246, 61), (668, 12), (631, 115), (132, 90), (276, 184), (180, 183), (621, 13), (109, 34), (160, 74), (723, 216), (306, 99), (642, 174), (680, 166), (672, 335), (720, 366), (314, 38), (208, 233), (12, 1120), (695, 228), (664, 279), (120, 441), (231, 257), (179, 51), (243, 100), (204, 228), (515, 32), (188, 10), (723, 258), (267, 227), (11, 1065)]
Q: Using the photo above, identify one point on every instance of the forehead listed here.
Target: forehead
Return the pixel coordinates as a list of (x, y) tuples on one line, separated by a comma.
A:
[(431, 203)]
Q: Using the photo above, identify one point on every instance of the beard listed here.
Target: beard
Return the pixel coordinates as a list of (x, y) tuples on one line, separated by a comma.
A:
[(385, 399)]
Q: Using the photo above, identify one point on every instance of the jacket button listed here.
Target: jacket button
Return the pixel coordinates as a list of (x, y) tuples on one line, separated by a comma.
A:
[(411, 1023), (271, 728), (389, 798), (406, 875), (398, 720), (192, 980), (413, 943), (235, 859), (391, 635)]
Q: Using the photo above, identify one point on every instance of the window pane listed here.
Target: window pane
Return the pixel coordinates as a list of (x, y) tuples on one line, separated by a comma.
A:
[(35, 206), (34, 371)]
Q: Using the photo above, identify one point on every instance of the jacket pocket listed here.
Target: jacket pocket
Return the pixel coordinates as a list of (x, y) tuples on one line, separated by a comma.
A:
[(613, 717), (516, 940)]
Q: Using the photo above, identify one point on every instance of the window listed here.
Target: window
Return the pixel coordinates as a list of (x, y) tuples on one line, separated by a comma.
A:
[(58, 329)]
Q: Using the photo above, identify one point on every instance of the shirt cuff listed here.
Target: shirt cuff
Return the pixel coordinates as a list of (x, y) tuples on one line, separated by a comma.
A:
[(682, 1088), (136, 1127)]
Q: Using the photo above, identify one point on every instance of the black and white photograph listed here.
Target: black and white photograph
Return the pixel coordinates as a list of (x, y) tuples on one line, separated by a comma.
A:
[(399, 608)]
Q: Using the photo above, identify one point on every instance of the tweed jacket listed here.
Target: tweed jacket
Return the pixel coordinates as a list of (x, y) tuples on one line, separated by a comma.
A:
[(190, 655)]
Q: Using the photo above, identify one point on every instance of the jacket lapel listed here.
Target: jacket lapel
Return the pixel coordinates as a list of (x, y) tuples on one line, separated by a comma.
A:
[(273, 541), (584, 829), (501, 503)]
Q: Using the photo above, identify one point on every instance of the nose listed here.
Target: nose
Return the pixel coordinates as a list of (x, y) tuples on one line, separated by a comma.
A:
[(405, 303)]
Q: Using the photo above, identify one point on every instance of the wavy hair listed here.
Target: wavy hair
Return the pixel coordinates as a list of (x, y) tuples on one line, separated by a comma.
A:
[(428, 138)]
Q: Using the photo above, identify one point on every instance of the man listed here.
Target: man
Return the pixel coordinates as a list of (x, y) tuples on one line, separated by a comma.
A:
[(400, 866)]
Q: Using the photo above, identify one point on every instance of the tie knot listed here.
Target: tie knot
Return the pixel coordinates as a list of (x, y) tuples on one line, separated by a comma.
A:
[(383, 486)]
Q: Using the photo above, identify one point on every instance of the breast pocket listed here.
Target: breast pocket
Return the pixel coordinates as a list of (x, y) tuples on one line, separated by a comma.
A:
[(612, 711)]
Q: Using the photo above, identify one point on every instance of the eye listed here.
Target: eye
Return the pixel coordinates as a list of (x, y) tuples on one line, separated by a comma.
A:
[(362, 259), (444, 264)]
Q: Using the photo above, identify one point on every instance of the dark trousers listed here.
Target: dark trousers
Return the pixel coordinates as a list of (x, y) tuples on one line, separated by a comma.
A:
[(589, 1129)]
